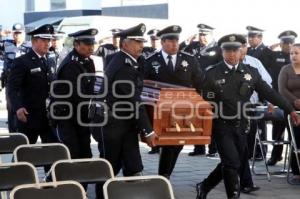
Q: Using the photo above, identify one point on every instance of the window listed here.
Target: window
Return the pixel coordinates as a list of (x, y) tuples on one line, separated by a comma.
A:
[(58, 4), (29, 6)]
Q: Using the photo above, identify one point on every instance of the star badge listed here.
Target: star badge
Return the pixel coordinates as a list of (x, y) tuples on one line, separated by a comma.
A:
[(184, 63), (247, 77)]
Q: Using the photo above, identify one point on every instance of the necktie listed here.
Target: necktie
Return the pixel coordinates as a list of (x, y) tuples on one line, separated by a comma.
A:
[(170, 63), (44, 61)]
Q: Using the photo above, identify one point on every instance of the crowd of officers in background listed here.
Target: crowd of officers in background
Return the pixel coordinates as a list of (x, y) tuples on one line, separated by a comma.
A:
[(30, 67)]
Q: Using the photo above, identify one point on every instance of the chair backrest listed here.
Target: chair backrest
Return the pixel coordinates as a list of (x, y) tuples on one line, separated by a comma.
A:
[(53, 190), (146, 187), (9, 141), (13, 174), (291, 125), (82, 170), (41, 154)]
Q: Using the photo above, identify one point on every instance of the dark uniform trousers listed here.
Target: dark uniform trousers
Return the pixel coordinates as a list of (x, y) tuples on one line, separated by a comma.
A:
[(36, 125), (167, 160), (120, 146), (119, 142), (77, 138), (231, 141)]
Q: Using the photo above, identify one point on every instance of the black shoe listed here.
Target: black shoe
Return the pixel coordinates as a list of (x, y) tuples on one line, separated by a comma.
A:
[(212, 155), (248, 190), (273, 161), (194, 153), (154, 150), (201, 194)]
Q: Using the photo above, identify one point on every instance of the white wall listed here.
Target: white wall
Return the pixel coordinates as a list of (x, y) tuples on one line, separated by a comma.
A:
[(11, 14), (228, 16), (113, 3), (41, 5), (83, 4)]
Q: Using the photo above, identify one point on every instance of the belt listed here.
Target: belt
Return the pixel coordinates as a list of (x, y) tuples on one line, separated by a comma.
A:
[(233, 122)]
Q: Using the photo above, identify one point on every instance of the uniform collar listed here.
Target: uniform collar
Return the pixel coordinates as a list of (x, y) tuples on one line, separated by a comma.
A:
[(39, 56), (231, 66), (165, 56), (129, 56)]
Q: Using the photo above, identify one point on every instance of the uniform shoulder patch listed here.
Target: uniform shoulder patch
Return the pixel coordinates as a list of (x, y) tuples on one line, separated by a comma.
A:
[(186, 53), (151, 55), (209, 67)]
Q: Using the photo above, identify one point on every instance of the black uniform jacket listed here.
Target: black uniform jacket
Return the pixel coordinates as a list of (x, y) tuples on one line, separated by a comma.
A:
[(29, 83), (231, 89), (71, 69), (123, 68)]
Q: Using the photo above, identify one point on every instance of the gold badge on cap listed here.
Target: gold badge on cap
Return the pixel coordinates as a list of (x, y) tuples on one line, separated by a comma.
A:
[(175, 28), (94, 32), (18, 26), (202, 26), (247, 77), (143, 28), (232, 38)]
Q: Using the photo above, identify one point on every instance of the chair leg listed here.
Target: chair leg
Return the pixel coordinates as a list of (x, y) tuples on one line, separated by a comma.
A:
[(285, 157), (253, 156), (3, 195), (258, 141), (289, 165)]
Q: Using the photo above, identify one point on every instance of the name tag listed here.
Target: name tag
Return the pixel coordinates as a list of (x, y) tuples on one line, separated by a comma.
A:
[(35, 70), (280, 60)]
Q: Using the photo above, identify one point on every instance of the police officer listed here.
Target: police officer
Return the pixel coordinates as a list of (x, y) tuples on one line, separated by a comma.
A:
[(56, 48), (28, 87), (12, 49), (230, 84), (175, 67), (256, 45), (120, 143), (208, 53), (148, 50), (105, 50), (258, 50), (78, 69), (274, 62), (205, 49)]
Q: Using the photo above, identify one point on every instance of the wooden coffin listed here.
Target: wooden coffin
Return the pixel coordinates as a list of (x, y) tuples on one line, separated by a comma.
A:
[(179, 114)]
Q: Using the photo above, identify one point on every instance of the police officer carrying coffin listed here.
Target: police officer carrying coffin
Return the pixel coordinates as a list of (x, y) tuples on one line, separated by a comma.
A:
[(78, 69), (274, 61), (172, 66), (208, 53), (128, 117), (12, 49), (28, 87), (230, 84)]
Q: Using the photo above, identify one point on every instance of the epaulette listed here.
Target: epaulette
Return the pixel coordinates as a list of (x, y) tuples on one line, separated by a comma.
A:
[(209, 67), (27, 44), (186, 53), (74, 58), (151, 55)]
